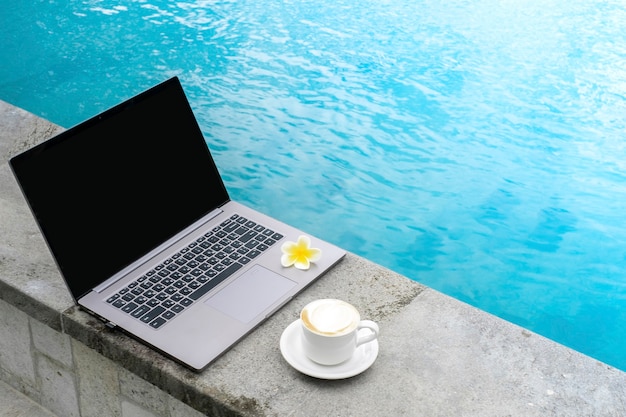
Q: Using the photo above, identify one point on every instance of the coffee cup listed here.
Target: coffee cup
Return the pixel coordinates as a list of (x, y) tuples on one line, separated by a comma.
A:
[(332, 330)]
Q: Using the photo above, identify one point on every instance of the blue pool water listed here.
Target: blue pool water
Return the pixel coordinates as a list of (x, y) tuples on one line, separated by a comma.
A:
[(474, 146)]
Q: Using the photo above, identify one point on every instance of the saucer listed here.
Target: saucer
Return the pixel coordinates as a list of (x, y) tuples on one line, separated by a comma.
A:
[(291, 348)]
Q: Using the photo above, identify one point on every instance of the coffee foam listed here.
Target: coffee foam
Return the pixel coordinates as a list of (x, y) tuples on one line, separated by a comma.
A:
[(330, 317)]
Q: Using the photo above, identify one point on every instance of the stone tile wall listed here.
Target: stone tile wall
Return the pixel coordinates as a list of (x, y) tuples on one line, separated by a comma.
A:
[(72, 380)]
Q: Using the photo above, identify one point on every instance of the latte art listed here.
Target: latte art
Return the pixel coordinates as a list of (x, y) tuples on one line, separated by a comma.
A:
[(330, 317)]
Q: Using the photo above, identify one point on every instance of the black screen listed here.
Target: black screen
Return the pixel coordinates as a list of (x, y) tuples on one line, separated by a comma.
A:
[(113, 188)]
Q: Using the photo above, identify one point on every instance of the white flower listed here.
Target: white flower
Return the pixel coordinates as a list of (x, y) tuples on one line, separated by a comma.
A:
[(299, 254)]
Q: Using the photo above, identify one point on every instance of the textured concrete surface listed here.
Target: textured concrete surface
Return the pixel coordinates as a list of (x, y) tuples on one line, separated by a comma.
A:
[(15, 404), (31, 280), (438, 356)]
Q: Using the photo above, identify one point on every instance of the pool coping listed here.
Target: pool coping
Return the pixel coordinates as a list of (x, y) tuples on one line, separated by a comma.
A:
[(438, 356)]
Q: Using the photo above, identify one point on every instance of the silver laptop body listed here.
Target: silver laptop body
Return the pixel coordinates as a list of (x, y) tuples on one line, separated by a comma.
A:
[(119, 196)]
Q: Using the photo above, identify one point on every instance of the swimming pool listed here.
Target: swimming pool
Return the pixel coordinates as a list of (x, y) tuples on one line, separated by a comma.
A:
[(474, 146)]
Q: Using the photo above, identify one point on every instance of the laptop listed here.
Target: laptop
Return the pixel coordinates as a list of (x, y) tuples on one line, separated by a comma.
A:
[(141, 226)]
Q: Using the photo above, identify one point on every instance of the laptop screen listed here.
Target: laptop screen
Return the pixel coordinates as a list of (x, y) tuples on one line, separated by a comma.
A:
[(111, 189)]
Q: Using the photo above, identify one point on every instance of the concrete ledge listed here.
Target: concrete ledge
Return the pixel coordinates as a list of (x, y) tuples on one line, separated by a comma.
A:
[(255, 362), (438, 356)]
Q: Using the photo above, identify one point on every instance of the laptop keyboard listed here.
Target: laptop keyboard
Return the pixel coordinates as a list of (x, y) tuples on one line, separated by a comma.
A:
[(174, 285)]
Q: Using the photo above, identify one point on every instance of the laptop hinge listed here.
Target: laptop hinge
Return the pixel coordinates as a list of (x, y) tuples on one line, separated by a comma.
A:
[(124, 272)]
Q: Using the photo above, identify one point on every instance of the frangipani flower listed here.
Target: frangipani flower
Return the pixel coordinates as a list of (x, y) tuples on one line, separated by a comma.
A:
[(299, 254)]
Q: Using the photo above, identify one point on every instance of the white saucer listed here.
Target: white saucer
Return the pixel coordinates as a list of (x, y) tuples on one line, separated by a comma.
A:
[(291, 348)]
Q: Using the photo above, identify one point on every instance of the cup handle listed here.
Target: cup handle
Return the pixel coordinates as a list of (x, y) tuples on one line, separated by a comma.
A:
[(373, 334)]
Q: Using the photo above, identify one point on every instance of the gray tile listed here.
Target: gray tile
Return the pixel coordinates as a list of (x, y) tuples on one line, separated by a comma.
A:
[(16, 404)]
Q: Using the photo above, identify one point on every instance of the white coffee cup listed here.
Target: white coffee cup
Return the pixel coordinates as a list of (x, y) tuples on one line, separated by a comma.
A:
[(331, 331)]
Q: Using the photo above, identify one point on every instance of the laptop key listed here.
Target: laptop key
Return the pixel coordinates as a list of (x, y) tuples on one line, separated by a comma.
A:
[(247, 236), (251, 244), (140, 311), (158, 322), (154, 291), (229, 227), (129, 307), (152, 314), (215, 281), (128, 297)]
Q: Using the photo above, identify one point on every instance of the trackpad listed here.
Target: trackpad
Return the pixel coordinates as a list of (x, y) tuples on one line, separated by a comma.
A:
[(251, 294)]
